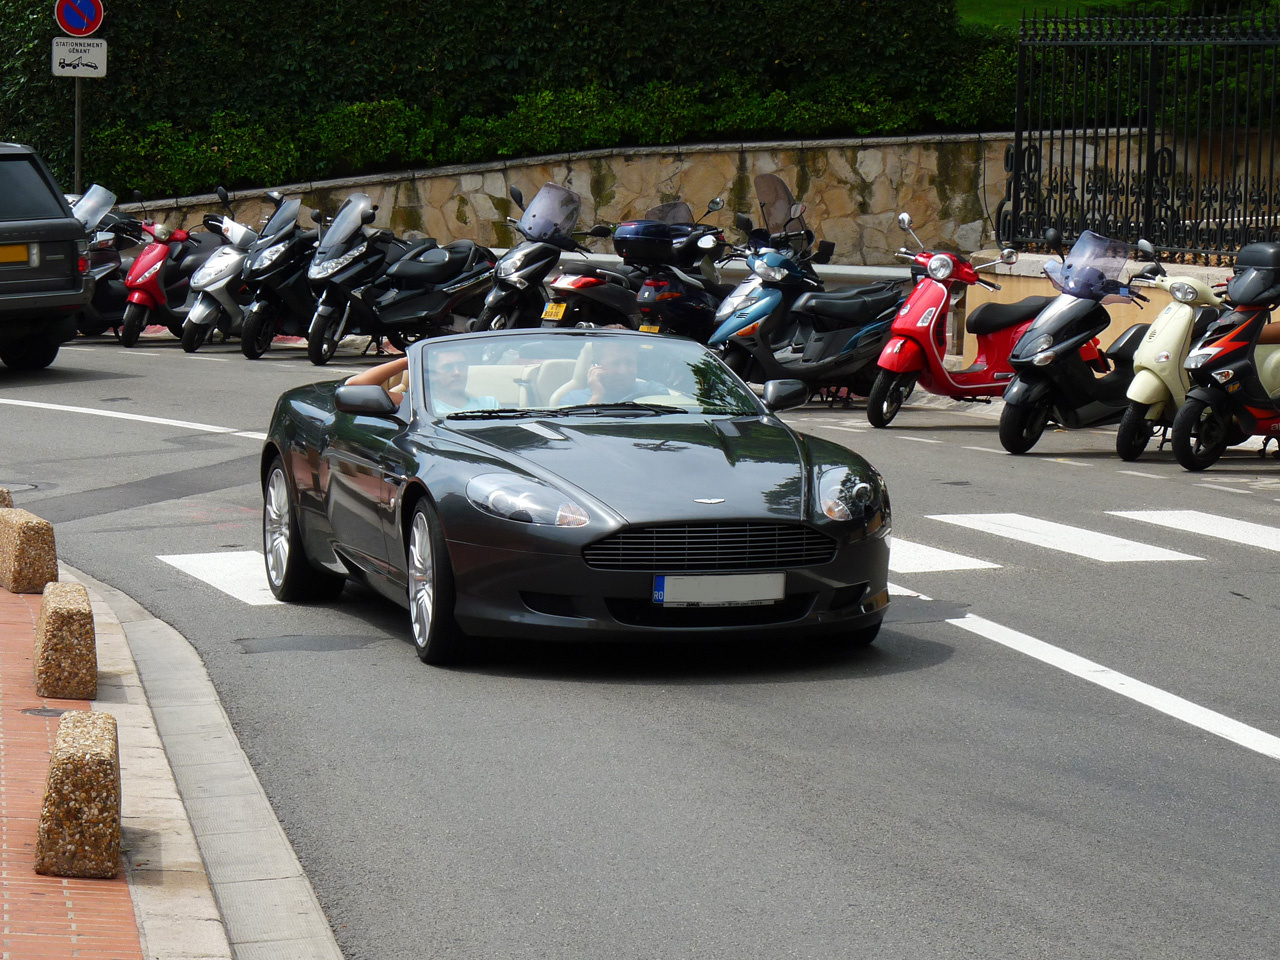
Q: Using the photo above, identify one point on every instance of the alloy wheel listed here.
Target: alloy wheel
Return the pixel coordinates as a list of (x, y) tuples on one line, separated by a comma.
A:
[(421, 580), (275, 527)]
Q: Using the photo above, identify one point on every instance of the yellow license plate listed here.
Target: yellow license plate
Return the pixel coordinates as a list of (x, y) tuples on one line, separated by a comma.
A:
[(13, 253), (553, 311), (645, 328)]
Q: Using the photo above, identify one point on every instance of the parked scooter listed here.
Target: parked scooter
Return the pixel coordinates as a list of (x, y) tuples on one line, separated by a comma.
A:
[(160, 278), (109, 233), (918, 346), (1057, 360), (1160, 383), (276, 271), (518, 296), (218, 287), (1235, 367)]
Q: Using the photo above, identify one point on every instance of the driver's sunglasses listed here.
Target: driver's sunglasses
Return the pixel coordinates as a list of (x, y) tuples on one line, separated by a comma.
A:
[(454, 366)]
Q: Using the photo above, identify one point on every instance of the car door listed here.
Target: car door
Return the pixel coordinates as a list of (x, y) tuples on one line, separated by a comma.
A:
[(360, 499)]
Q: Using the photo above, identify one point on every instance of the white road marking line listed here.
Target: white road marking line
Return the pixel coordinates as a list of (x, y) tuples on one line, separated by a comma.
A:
[(897, 591), (120, 415), (907, 557), (1224, 528), (919, 439), (1058, 536), (85, 349), (240, 574), (983, 449), (1197, 716), (249, 434), (1139, 473), (1218, 486), (832, 426), (210, 359), (1071, 463)]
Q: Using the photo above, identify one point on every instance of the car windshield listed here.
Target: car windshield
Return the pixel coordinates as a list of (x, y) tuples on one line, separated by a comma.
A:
[(345, 225), (1092, 269), (282, 219), (553, 211), (578, 373), (93, 206), (675, 212)]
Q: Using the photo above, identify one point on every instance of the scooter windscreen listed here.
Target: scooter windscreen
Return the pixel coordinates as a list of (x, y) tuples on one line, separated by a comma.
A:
[(1092, 269), (776, 202), (671, 213), (280, 221), (346, 224), (93, 206), (553, 212)]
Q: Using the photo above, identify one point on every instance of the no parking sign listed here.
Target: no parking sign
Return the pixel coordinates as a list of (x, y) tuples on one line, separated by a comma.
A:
[(78, 18)]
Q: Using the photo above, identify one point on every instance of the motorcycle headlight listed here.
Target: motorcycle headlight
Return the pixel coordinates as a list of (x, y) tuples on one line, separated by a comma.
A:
[(842, 494), (270, 255), (1182, 292), (318, 271), (1198, 359), (1043, 342), (940, 266), (524, 500), (732, 304), (213, 269), (151, 271), (767, 272), (508, 265)]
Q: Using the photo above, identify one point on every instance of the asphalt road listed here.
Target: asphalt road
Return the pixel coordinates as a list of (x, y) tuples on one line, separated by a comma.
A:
[(940, 795)]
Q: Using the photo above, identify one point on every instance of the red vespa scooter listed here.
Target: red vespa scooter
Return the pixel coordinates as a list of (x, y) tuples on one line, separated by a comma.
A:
[(918, 339), (160, 277)]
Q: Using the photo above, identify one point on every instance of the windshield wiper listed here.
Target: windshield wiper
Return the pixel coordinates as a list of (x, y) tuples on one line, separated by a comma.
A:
[(623, 406), (485, 413)]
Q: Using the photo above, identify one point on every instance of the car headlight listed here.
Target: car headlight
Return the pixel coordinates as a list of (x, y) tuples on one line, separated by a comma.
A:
[(525, 500), (766, 271), (940, 266), (842, 494), (318, 271), (270, 255), (151, 271), (1182, 292)]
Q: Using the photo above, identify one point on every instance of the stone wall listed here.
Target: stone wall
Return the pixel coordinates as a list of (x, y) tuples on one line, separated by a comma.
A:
[(854, 190)]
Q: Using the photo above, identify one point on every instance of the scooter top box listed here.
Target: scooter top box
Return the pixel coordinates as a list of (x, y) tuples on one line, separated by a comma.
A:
[(647, 241)]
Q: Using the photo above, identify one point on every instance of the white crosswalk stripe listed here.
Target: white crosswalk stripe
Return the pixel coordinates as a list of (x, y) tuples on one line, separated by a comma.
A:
[(1209, 525), (240, 573), (1059, 536), (907, 557)]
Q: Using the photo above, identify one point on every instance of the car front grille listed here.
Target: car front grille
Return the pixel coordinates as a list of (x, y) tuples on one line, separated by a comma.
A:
[(707, 547)]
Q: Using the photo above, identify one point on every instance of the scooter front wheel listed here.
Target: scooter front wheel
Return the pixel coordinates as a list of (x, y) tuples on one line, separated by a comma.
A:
[(1200, 435), (887, 395), (193, 335), (135, 321), (1135, 431), (1021, 427), (323, 337), (259, 330)]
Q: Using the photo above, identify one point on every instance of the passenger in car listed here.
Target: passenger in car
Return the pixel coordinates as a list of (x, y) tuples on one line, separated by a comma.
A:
[(612, 377)]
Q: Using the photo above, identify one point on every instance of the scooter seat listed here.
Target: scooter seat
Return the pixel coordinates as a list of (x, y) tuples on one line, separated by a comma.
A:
[(615, 273), (436, 265), (846, 307), (991, 317)]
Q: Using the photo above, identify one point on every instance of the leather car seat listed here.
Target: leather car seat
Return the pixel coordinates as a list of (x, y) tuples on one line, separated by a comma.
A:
[(582, 366)]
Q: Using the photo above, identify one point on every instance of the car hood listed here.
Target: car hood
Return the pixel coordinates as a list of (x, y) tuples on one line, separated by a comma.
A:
[(651, 469)]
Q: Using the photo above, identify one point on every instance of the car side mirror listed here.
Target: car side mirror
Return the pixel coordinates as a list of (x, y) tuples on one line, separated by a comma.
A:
[(742, 222), (784, 394), (600, 230), (364, 399), (716, 203), (367, 217), (517, 195)]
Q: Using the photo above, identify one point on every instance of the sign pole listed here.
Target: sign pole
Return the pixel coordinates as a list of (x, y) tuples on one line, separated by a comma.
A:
[(78, 135), (76, 55)]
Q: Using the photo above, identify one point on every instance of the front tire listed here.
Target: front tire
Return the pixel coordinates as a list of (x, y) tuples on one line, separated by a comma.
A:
[(1135, 431), (436, 636), (193, 335), (135, 321), (259, 330), (290, 574), (1021, 427), (1200, 435), (887, 396), (323, 336)]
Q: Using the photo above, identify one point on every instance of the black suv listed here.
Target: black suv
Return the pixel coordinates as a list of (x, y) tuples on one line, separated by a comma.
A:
[(44, 278)]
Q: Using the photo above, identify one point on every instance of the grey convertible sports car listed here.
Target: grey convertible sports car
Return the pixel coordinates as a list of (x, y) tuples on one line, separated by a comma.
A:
[(573, 484)]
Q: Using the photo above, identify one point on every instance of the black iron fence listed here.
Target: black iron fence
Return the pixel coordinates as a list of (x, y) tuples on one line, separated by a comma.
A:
[(1162, 128)]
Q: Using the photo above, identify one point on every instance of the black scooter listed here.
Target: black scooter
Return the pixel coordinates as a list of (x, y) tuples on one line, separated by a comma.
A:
[(1057, 361), (276, 271)]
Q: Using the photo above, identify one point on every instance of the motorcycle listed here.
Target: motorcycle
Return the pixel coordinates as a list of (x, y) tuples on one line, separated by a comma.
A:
[(218, 287), (1057, 360), (1160, 384), (276, 272), (160, 278), (918, 339), (1235, 367), (518, 298)]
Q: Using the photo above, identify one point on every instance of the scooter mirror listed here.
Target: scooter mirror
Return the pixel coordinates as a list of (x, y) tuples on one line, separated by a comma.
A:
[(715, 204), (742, 222), (1146, 249), (224, 197), (517, 195), (600, 230), (797, 210), (707, 241), (1053, 240), (1009, 255), (367, 217), (276, 198), (905, 222), (137, 196), (316, 215)]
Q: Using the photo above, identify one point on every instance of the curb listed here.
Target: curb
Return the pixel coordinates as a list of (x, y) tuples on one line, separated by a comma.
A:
[(220, 850)]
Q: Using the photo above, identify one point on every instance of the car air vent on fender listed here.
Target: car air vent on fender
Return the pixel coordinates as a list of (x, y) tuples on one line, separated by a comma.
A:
[(706, 547)]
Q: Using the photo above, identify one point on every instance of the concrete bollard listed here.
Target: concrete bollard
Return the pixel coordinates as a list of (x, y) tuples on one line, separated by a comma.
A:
[(66, 650), (6, 498), (80, 821), (28, 556)]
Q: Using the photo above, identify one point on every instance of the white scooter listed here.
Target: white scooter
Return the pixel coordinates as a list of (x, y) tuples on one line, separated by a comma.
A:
[(218, 288), (1160, 383)]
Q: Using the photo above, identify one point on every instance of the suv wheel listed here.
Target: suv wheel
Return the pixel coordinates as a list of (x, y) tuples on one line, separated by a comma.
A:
[(30, 353)]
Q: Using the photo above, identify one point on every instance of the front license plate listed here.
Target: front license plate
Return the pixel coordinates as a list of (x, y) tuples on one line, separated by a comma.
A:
[(648, 328), (13, 253), (733, 590), (553, 311)]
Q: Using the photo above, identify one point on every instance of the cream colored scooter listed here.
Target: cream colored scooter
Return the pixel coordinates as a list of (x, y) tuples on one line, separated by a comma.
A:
[(1160, 383)]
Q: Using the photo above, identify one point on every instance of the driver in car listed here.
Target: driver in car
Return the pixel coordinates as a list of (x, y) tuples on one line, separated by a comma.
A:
[(447, 381), (612, 377)]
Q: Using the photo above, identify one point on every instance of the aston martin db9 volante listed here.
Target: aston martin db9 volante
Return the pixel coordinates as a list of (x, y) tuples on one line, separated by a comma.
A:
[(573, 484)]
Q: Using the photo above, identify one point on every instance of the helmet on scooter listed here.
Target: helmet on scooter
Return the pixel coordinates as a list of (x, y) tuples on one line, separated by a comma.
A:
[(1256, 281)]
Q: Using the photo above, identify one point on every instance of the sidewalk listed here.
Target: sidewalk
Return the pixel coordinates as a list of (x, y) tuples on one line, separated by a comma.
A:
[(209, 879)]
